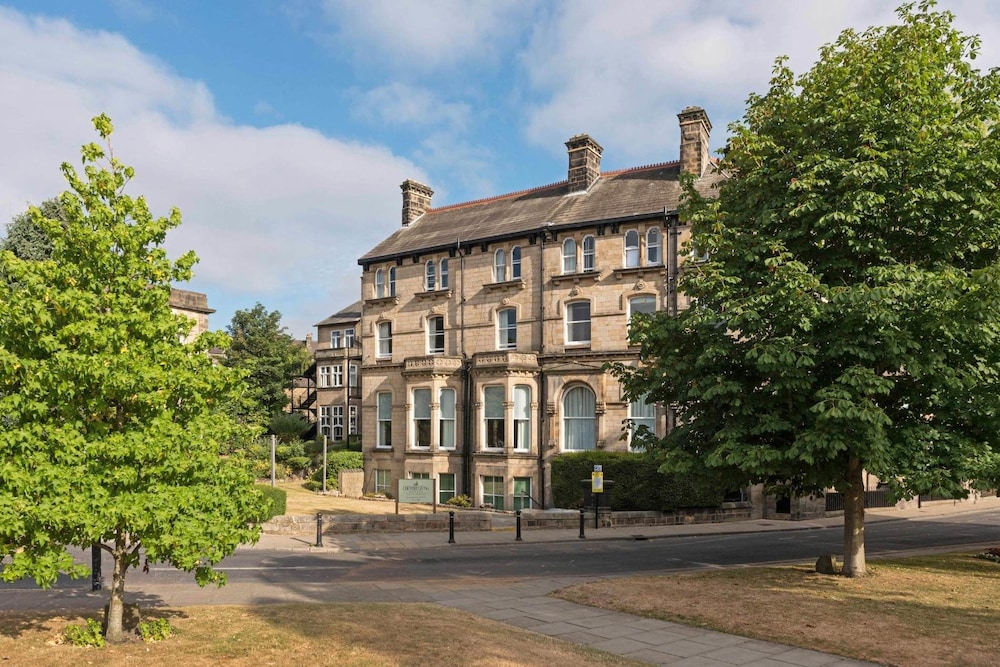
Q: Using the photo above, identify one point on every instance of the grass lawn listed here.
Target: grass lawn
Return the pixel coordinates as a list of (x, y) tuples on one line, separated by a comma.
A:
[(301, 501), (912, 612), (349, 635)]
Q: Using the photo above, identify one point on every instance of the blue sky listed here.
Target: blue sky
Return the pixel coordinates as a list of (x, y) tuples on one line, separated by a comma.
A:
[(283, 128)]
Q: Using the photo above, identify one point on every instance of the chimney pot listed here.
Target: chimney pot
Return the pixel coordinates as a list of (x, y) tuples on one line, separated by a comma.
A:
[(416, 200), (695, 131), (584, 162)]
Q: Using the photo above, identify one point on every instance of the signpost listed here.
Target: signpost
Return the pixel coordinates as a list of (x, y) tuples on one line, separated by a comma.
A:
[(596, 487), (417, 491)]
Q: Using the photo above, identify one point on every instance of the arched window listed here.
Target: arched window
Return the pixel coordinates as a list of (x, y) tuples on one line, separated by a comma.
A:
[(379, 283), (588, 253), (653, 246), (499, 266), (579, 419), (631, 248), (430, 278), (444, 274), (569, 256), (515, 262), (392, 281)]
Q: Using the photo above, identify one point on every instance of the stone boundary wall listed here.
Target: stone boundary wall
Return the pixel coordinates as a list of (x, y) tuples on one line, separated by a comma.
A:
[(469, 520)]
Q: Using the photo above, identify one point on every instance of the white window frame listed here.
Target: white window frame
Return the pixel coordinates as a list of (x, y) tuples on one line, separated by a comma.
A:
[(500, 266), (640, 413), (515, 263), (446, 492), (522, 418), (430, 277), (324, 420), (379, 283), (640, 298), (383, 420), (654, 243), (392, 281), (324, 378), (349, 337), (383, 331), (494, 418), (435, 334), (352, 375), (383, 480), (337, 422), (337, 375), (573, 324), (507, 329), (631, 249), (569, 255), (589, 254), (443, 275), (446, 418), (579, 426), (335, 339), (421, 417), (352, 420)]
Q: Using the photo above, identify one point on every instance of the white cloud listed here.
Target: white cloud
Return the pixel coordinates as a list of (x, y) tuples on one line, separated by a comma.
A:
[(445, 34), (277, 214), (622, 71), (402, 104)]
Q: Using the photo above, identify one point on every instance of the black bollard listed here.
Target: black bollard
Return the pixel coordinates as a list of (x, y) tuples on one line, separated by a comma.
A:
[(451, 527), (95, 567), (581, 525), (319, 529), (518, 515)]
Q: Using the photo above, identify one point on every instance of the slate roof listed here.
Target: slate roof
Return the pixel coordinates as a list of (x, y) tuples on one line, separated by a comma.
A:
[(347, 315), (622, 195)]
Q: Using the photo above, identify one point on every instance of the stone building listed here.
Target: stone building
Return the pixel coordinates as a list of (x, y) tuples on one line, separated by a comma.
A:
[(486, 325), (336, 373), (193, 305)]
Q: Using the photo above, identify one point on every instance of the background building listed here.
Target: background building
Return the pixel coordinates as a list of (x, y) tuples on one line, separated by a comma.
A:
[(486, 325)]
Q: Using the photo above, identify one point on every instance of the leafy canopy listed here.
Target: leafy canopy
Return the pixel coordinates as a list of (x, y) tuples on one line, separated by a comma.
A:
[(271, 359), (111, 425), (849, 314)]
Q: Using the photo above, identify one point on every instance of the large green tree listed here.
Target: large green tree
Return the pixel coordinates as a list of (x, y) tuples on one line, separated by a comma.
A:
[(848, 317), (111, 427), (271, 359)]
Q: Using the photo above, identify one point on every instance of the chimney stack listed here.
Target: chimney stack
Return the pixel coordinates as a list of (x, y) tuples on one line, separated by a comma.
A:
[(695, 130), (584, 162), (416, 200)]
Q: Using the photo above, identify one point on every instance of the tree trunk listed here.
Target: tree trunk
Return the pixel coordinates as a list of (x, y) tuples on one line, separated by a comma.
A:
[(116, 605), (854, 521)]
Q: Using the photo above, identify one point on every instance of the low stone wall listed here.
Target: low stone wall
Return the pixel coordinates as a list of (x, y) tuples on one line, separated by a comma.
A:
[(469, 520)]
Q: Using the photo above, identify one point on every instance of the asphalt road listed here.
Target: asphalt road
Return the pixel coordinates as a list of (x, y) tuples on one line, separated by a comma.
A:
[(587, 559)]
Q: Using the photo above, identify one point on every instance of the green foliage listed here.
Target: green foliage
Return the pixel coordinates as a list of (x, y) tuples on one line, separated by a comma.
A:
[(288, 427), (459, 501), (638, 485), (276, 500), (847, 319), (270, 359), (88, 634), (112, 425), (155, 630), (335, 462), (26, 239)]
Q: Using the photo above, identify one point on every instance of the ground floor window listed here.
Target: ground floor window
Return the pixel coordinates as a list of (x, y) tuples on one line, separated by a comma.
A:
[(522, 493), (383, 481), (446, 487), (420, 475), (338, 422), (493, 492), (324, 420)]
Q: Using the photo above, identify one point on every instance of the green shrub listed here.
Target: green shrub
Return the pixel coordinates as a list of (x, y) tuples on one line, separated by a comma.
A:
[(298, 463), (155, 630), (278, 498), (290, 451), (459, 501), (638, 485), (288, 427), (335, 462), (85, 635)]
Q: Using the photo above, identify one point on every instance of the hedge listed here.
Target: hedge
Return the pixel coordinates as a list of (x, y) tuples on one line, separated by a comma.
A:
[(278, 498), (638, 485), (336, 461)]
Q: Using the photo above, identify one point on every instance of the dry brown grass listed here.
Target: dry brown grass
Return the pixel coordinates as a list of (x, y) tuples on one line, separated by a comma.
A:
[(349, 635), (301, 501), (914, 612)]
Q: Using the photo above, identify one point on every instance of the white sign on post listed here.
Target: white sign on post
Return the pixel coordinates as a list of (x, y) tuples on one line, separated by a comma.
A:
[(416, 491)]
